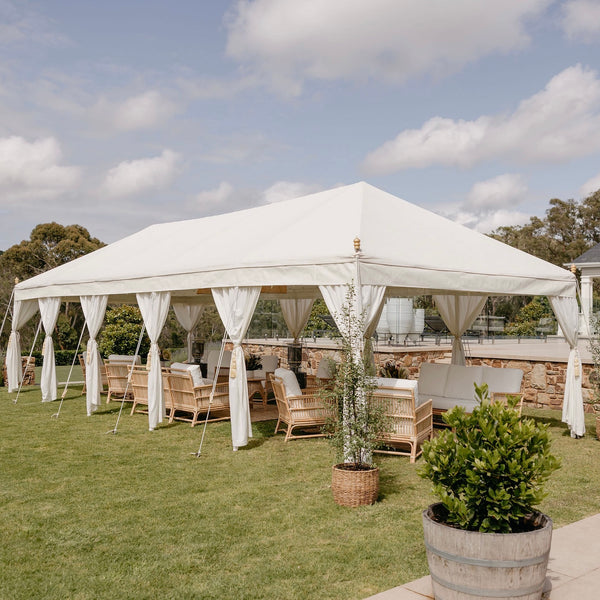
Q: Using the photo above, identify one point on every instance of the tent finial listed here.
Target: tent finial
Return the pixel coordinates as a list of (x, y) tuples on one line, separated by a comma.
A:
[(574, 268), (356, 244)]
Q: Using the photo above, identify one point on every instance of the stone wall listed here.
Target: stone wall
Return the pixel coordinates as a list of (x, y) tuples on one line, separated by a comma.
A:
[(543, 381)]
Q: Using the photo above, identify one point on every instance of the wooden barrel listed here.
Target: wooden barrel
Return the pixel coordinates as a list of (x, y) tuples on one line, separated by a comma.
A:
[(465, 565)]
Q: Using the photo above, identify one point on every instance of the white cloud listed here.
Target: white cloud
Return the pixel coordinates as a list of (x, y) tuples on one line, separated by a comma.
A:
[(287, 42), (557, 124), (218, 195), (32, 170), (581, 19), (486, 206), (133, 177), (286, 190), (505, 190), (590, 186), (143, 111), (21, 24)]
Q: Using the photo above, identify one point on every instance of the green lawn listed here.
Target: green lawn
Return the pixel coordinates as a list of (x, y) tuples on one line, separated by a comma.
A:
[(86, 515)]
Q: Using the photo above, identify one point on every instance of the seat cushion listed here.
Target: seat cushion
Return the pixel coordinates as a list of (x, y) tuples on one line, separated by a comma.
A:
[(194, 371), (443, 403), (459, 383), (432, 379), (124, 358), (506, 381), (290, 382), (401, 384)]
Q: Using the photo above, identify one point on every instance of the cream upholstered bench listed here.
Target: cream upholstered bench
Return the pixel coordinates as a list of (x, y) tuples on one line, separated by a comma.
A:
[(453, 385)]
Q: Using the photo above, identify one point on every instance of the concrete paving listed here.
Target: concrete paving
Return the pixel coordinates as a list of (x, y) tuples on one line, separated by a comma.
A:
[(573, 568)]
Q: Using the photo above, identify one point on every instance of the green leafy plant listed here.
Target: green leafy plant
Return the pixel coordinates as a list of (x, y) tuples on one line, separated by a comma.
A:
[(490, 467), (253, 362), (122, 331), (391, 370), (358, 425)]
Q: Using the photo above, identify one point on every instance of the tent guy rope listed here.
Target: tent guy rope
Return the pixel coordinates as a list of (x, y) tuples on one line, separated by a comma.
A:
[(37, 332), (62, 398), (137, 351)]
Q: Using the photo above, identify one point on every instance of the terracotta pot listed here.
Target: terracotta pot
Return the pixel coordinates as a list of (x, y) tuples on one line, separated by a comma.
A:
[(354, 487)]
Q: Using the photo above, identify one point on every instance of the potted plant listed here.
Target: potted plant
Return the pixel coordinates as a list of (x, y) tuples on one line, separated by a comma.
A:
[(391, 370), (358, 424), (484, 539)]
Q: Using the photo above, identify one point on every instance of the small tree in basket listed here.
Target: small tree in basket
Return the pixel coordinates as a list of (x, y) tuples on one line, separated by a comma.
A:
[(358, 424), (489, 470)]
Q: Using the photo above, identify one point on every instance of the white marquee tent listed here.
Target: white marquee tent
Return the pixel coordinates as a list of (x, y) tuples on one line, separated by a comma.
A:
[(296, 251)]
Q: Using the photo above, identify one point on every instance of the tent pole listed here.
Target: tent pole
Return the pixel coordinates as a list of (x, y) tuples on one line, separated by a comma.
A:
[(37, 331), (6, 311), (137, 351), (62, 398), (212, 394)]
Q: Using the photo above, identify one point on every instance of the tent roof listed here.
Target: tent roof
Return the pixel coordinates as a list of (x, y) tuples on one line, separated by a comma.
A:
[(301, 244)]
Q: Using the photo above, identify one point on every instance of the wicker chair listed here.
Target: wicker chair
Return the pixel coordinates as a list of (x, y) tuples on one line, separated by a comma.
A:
[(117, 374), (139, 388), (305, 412), (194, 401), (409, 425)]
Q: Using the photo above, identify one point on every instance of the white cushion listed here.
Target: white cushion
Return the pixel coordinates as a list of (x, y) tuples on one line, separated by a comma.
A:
[(326, 368), (124, 358), (443, 403), (269, 362), (213, 359), (459, 383), (290, 382), (507, 381), (432, 379), (194, 370), (401, 384)]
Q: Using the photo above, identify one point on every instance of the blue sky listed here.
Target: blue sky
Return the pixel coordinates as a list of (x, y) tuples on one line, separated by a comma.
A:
[(116, 115)]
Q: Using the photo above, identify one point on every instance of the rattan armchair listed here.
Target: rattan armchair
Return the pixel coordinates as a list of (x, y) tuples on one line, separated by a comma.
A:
[(189, 402), (117, 374), (139, 388), (408, 425), (305, 412)]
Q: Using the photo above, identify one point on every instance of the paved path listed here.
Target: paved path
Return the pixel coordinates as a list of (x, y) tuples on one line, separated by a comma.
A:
[(573, 569)]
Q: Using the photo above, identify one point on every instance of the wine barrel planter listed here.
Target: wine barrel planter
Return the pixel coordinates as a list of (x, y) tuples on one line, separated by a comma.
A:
[(465, 565), (354, 487)]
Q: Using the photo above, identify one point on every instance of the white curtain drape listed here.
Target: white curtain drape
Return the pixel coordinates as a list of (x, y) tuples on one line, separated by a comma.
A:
[(296, 312), (458, 313), (236, 306), (23, 310), (93, 308), (49, 308), (154, 307), (567, 313), (369, 303), (188, 316)]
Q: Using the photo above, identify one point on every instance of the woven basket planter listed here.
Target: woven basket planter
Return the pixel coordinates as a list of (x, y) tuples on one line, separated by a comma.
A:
[(354, 487)]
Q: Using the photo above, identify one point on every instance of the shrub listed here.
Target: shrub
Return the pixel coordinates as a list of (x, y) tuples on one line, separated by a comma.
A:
[(489, 472), (122, 331)]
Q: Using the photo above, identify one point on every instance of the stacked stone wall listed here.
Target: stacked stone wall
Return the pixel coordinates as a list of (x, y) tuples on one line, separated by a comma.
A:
[(543, 381)]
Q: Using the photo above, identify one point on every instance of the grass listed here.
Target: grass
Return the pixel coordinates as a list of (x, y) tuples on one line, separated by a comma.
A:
[(87, 515)]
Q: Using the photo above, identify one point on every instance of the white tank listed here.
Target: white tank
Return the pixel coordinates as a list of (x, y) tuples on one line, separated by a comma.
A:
[(400, 315), (418, 325)]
